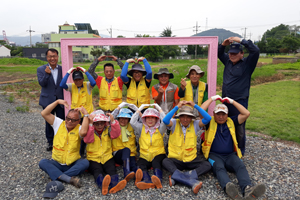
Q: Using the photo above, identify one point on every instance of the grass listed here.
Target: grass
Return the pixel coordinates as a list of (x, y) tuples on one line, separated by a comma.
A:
[(275, 110)]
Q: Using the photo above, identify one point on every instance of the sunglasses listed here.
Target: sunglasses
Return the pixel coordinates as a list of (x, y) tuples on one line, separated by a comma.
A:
[(72, 120), (99, 123)]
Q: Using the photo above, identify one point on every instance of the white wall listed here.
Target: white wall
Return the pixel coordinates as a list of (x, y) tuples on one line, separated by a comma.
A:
[(4, 52)]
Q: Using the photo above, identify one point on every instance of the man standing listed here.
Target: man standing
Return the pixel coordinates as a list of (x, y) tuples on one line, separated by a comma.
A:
[(49, 77), (165, 93), (110, 87), (237, 77)]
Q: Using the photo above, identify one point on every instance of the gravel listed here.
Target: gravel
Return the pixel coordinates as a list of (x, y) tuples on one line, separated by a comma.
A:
[(23, 145)]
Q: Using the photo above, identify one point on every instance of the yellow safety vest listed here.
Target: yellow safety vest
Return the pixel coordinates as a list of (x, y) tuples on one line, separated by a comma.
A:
[(210, 136), (183, 148), (151, 146), (189, 92), (66, 145), (140, 95), (118, 144), (83, 98), (100, 150), (110, 98)]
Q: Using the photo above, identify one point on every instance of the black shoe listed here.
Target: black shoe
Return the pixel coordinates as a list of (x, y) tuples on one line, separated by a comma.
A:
[(50, 147)]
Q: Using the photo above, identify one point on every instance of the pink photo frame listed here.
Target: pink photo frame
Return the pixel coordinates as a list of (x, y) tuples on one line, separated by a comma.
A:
[(212, 42)]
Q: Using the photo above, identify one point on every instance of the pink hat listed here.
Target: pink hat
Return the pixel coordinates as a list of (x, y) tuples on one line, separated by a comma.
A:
[(100, 117), (151, 112)]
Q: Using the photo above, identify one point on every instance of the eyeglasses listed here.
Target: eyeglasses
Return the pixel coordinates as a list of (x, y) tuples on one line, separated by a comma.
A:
[(52, 56), (99, 123), (72, 120)]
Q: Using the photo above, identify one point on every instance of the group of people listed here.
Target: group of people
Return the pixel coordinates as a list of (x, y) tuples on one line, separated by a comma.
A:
[(119, 131)]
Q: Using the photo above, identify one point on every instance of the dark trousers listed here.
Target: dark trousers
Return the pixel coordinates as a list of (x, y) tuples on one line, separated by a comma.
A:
[(156, 163), (232, 163), (107, 168), (240, 131), (60, 113), (201, 166), (124, 154)]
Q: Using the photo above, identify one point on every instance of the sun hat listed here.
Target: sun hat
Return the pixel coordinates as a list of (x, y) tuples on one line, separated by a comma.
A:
[(125, 112), (77, 75), (52, 189), (101, 117), (197, 69), (163, 71), (235, 48), (137, 67), (186, 110), (221, 108), (151, 112)]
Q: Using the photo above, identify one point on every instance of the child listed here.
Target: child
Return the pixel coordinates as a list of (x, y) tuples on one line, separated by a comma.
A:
[(124, 146), (99, 152), (152, 151)]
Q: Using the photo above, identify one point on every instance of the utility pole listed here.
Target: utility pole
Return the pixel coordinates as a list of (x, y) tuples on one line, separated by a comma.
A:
[(245, 33), (30, 35), (110, 32), (196, 33), (250, 34)]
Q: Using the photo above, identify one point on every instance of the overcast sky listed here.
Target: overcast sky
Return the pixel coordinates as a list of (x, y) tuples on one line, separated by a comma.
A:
[(132, 17)]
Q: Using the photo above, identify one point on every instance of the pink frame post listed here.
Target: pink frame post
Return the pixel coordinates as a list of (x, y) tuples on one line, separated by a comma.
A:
[(67, 56)]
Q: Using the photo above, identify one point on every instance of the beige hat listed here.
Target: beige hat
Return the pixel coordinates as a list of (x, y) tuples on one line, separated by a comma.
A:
[(221, 108), (197, 69), (186, 110)]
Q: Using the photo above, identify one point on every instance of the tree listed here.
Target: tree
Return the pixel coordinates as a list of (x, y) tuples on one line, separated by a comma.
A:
[(167, 32), (121, 51), (152, 53), (273, 45), (171, 51), (291, 43), (40, 45), (96, 52)]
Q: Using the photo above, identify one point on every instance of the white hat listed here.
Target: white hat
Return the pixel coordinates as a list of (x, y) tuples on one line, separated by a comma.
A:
[(221, 108)]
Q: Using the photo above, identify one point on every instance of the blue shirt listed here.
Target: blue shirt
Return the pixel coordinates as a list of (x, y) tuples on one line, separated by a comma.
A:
[(237, 78), (223, 143)]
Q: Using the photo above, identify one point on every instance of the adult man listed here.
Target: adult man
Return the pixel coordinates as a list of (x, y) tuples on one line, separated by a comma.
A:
[(221, 149), (165, 93), (66, 162), (183, 146), (137, 87), (110, 87), (49, 77), (237, 77), (194, 90)]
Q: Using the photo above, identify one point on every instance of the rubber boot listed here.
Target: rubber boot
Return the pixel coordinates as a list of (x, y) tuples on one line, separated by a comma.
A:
[(157, 178), (115, 185), (126, 169), (180, 177), (192, 174), (138, 176), (103, 183), (146, 183)]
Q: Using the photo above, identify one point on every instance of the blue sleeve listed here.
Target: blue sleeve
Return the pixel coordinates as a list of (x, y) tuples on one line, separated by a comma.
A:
[(64, 81), (222, 55), (168, 117), (91, 79), (206, 117), (124, 71), (148, 69)]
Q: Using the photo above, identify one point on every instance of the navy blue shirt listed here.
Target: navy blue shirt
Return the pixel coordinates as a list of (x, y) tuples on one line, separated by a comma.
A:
[(223, 143), (237, 78)]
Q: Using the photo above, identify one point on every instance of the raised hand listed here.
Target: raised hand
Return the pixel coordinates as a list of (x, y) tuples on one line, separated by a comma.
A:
[(140, 59), (114, 58), (63, 102), (111, 117), (130, 60), (133, 107), (123, 104), (227, 42), (81, 69), (48, 70), (183, 83), (156, 106), (161, 89), (181, 103), (82, 110), (71, 70), (191, 103), (143, 106), (216, 97), (101, 58), (227, 100)]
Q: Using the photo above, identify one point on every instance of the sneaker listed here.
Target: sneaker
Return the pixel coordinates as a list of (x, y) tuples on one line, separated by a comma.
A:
[(253, 192), (76, 181), (232, 191)]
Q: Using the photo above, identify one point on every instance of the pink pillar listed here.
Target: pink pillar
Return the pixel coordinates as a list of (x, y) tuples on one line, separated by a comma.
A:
[(67, 57)]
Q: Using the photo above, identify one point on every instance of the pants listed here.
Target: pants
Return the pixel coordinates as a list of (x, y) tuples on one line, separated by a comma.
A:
[(122, 155), (60, 112), (240, 131), (55, 169), (107, 168), (201, 166), (232, 163), (156, 163)]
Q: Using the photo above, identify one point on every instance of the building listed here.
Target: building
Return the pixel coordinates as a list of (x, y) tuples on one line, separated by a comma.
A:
[(47, 37), (79, 30), (38, 53), (4, 51)]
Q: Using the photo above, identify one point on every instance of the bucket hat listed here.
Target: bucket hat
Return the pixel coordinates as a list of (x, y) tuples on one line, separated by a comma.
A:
[(163, 71), (197, 69), (137, 67)]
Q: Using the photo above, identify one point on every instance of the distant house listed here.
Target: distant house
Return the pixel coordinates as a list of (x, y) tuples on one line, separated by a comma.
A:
[(38, 53), (4, 51)]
